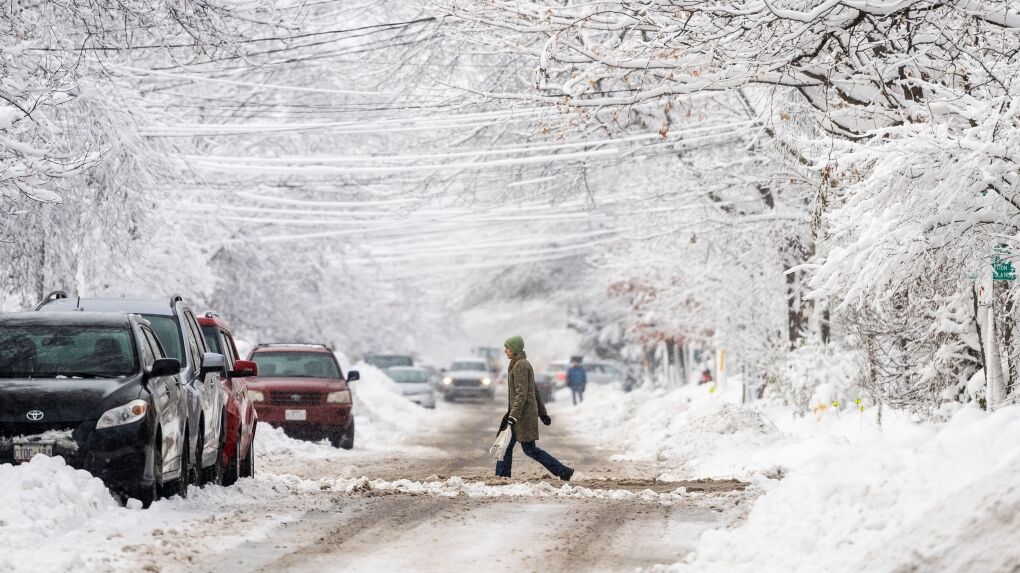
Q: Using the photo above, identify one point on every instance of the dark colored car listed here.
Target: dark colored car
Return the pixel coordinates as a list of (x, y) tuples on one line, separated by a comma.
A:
[(384, 361), (98, 390), (238, 456), (301, 389), (546, 385), (177, 329)]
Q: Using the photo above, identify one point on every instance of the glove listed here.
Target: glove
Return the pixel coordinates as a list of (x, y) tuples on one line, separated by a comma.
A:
[(546, 420), (511, 420)]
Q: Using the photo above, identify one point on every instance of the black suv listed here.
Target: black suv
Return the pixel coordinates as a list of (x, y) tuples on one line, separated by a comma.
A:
[(178, 331), (98, 390)]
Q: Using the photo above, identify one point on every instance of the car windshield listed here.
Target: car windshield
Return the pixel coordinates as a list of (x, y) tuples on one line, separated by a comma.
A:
[(557, 367), (296, 365), (470, 366), (168, 333), (409, 376), (56, 351), (389, 361)]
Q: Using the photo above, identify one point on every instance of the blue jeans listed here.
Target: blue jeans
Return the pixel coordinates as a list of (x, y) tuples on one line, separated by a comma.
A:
[(577, 393), (534, 452)]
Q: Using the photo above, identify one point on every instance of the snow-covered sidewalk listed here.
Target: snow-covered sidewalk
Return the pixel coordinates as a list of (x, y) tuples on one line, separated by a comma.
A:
[(837, 490)]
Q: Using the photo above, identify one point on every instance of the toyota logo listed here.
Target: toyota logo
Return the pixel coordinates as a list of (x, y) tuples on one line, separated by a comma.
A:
[(34, 415), (295, 397)]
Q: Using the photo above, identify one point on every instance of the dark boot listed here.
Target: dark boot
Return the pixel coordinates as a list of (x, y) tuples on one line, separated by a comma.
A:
[(567, 474)]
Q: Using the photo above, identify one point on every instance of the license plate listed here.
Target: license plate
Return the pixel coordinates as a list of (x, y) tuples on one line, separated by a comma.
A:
[(25, 452), (296, 415)]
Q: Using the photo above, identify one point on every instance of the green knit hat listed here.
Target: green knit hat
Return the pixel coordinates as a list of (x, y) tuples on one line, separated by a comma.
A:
[(515, 343)]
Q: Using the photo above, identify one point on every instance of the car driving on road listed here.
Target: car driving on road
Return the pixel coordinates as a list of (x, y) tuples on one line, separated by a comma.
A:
[(238, 455), (177, 329), (468, 378), (414, 384), (301, 389), (98, 390), (384, 361)]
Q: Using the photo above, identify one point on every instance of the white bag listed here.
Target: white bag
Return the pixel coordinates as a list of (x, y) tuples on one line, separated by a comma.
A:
[(498, 449)]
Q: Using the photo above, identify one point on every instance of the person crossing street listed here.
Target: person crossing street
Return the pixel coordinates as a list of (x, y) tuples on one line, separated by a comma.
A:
[(577, 379), (525, 409)]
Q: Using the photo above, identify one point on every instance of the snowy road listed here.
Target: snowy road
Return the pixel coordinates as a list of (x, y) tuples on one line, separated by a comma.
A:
[(608, 520)]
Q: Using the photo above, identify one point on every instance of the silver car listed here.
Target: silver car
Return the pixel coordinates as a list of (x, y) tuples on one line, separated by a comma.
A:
[(468, 378), (414, 384)]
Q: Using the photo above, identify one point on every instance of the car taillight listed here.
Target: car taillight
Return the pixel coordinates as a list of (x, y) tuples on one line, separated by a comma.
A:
[(561, 376)]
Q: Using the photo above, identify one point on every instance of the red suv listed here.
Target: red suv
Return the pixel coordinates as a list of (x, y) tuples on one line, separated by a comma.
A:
[(238, 456), (302, 390)]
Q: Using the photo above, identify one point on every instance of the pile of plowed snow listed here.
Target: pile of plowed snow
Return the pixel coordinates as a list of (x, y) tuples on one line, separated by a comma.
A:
[(901, 497), (42, 500), (692, 431)]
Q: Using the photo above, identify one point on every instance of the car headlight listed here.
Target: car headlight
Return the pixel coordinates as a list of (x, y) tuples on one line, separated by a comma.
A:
[(256, 396), (486, 381), (447, 380), (126, 414), (341, 397)]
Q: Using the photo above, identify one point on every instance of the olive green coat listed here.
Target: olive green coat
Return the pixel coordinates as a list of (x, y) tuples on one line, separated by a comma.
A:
[(525, 404)]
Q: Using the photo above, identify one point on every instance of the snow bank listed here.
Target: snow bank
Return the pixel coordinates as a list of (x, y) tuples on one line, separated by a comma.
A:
[(907, 497), (691, 432), (41, 500)]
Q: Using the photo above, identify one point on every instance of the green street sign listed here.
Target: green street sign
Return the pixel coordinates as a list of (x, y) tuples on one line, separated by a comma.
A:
[(1002, 267)]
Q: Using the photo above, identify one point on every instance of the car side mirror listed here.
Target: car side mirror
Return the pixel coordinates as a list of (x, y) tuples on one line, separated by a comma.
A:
[(213, 362), (164, 367), (244, 369), (353, 375)]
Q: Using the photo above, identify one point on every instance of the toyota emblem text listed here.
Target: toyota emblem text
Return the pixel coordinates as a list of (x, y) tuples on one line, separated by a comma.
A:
[(34, 415)]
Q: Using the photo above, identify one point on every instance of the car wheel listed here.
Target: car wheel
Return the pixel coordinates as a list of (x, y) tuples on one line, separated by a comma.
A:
[(344, 439), (148, 494), (231, 473)]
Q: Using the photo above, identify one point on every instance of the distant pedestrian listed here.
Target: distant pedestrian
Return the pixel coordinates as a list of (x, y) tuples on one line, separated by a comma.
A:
[(706, 377), (524, 410), (577, 379)]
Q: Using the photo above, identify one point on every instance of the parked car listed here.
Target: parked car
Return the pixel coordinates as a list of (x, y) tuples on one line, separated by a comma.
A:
[(468, 378), (557, 371), (384, 361), (599, 372), (178, 332), (301, 389), (414, 383), (604, 373), (435, 376), (98, 390), (546, 385), (238, 455)]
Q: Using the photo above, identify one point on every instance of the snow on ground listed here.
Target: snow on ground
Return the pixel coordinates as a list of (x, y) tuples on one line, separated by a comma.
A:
[(838, 491)]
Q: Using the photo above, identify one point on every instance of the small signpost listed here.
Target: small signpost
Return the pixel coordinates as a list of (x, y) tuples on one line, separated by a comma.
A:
[(1002, 270), (1002, 267)]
